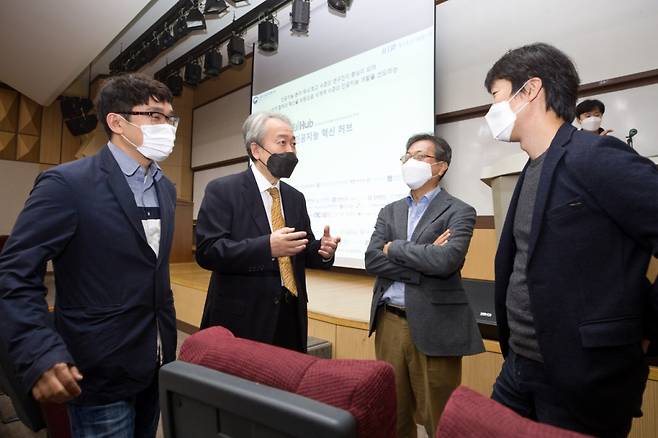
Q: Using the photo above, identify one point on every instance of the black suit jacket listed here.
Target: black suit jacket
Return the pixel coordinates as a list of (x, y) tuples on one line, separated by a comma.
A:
[(594, 229), (112, 290), (233, 241)]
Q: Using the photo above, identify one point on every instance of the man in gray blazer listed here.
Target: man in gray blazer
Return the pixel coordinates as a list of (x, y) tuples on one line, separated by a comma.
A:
[(419, 308)]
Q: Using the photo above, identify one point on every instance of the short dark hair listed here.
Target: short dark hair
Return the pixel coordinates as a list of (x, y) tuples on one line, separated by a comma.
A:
[(442, 150), (589, 105), (557, 72), (124, 92)]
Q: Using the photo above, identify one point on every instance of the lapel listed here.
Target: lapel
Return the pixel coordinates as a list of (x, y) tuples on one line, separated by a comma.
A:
[(166, 217), (553, 156), (254, 202), (437, 207), (400, 219), (119, 186)]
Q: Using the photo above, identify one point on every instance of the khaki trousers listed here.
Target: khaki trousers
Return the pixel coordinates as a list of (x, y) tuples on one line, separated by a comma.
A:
[(423, 383)]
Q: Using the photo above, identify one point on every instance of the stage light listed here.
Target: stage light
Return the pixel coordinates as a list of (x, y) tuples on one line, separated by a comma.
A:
[(215, 7), (212, 62), (236, 50), (166, 38), (175, 83), (192, 73), (300, 15), (194, 19), (268, 35), (338, 5)]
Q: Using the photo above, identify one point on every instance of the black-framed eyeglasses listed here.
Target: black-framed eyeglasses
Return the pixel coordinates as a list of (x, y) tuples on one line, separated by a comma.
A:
[(155, 116), (416, 156)]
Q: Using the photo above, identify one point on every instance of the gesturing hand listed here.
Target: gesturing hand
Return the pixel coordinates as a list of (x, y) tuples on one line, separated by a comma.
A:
[(58, 384), (328, 244), (287, 242)]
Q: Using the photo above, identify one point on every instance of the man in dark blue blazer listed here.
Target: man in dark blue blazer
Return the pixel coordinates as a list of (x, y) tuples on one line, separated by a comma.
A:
[(106, 222), (573, 304), (238, 238)]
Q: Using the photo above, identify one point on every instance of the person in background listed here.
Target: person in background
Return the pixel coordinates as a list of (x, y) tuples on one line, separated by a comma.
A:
[(589, 114), (254, 233), (106, 222), (574, 307), (420, 312)]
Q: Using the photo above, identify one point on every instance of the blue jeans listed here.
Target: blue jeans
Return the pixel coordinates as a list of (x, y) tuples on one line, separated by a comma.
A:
[(136, 417), (523, 386)]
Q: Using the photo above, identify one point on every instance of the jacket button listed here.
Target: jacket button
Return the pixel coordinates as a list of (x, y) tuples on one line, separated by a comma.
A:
[(276, 300)]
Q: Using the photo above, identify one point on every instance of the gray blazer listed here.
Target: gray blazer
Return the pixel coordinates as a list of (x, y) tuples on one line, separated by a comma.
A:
[(440, 318)]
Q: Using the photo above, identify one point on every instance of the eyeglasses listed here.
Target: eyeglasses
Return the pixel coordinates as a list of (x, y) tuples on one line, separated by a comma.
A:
[(416, 156), (156, 117)]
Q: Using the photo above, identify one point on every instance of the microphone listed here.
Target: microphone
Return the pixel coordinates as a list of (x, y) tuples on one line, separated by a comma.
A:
[(629, 137)]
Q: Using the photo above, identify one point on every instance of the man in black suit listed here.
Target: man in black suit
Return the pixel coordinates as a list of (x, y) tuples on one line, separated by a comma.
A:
[(254, 233), (572, 299), (106, 222)]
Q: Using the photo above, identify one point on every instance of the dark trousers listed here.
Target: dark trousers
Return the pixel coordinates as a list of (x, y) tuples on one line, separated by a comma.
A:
[(288, 333), (523, 386)]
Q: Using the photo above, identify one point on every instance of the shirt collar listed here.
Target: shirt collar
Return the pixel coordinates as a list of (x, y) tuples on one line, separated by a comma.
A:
[(425, 199), (261, 181), (129, 165)]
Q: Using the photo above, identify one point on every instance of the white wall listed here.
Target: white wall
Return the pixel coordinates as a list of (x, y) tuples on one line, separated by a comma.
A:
[(217, 128), (203, 177)]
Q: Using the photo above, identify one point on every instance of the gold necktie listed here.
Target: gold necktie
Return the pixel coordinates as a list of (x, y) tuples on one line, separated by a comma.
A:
[(285, 263)]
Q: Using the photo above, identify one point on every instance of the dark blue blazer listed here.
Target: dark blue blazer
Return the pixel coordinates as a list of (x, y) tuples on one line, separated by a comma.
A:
[(594, 229), (112, 291), (233, 241)]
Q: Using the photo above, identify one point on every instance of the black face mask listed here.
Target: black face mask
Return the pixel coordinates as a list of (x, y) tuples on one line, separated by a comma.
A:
[(281, 165)]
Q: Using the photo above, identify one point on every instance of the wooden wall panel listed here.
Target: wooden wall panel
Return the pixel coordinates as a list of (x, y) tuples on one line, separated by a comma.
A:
[(479, 264), (181, 249), (70, 145), (352, 343), (27, 148), (29, 116), (7, 145), (51, 134), (323, 330), (9, 100)]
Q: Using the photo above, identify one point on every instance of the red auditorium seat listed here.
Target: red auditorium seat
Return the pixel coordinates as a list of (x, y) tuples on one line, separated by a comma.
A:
[(365, 388), (470, 414)]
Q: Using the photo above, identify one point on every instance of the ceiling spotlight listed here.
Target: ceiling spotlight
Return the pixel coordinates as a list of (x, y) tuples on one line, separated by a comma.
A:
[(268, 35), (235, 50), (300, 15), (194, 19), (175, 84), (212, 62), (180, 28), (215, 7), (338, 5), (192, 73)]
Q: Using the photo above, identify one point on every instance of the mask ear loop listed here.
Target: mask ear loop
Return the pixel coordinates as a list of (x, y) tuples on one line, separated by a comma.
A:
[(123, 136), (518, 91)]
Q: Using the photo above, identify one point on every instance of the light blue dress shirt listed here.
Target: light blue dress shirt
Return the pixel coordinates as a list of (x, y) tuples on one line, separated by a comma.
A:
[(395, 293)]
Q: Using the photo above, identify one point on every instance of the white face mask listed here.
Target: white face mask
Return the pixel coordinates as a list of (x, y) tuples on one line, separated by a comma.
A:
[(591, 124), (158, 140), (501, 118), (416, 173)]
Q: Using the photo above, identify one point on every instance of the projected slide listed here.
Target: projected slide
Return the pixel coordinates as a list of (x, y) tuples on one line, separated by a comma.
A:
[(352, 120)]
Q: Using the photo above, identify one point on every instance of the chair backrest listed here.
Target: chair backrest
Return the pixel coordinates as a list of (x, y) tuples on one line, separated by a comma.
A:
[(365, 388), (469, 413)]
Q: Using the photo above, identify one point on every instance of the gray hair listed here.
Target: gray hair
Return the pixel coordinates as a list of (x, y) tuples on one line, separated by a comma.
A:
[(253, 129)]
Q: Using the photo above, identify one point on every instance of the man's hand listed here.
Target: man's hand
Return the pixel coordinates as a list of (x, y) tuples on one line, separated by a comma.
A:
[(443, 238), (58, 384), (328, 244), (607, 131), (287, 242)]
